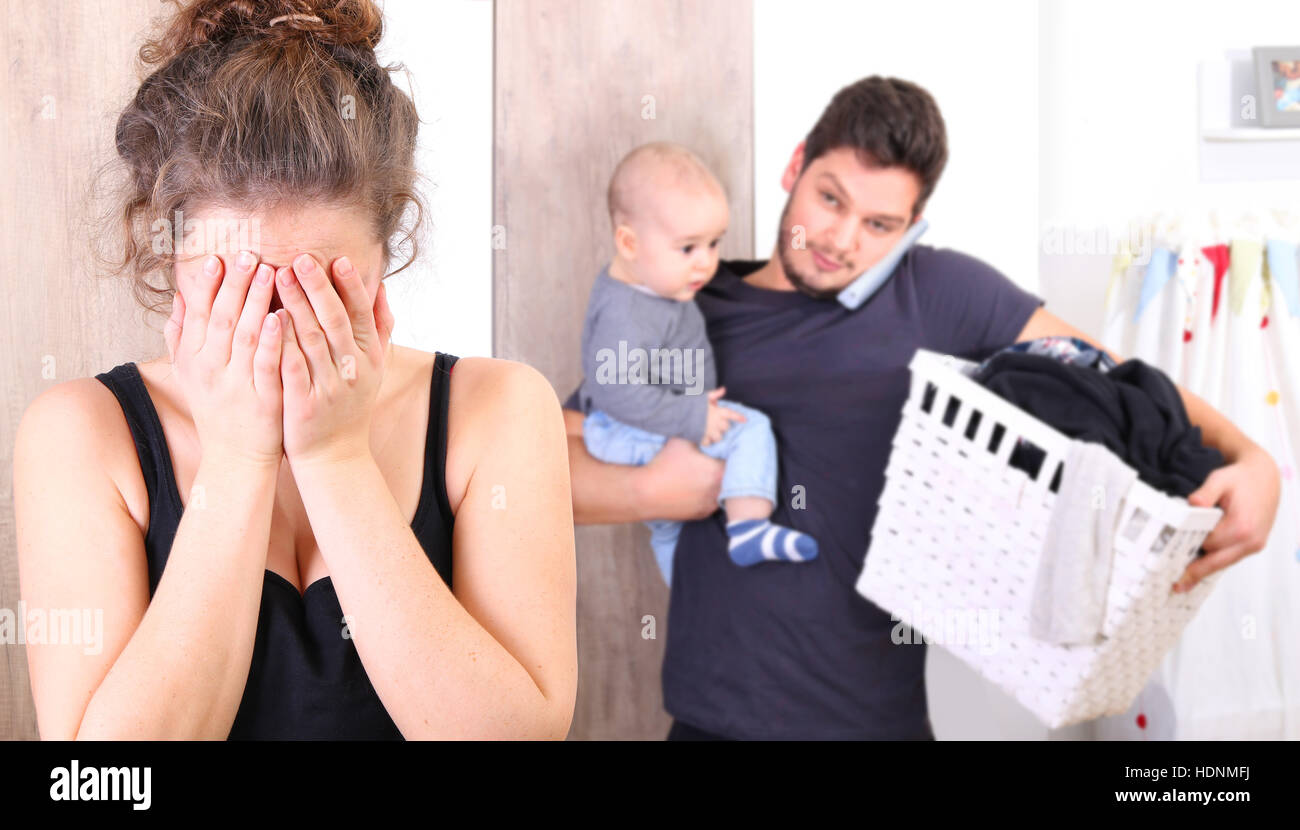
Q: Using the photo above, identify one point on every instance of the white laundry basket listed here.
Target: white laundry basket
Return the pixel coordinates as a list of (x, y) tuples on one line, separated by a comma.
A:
[(958, 536)]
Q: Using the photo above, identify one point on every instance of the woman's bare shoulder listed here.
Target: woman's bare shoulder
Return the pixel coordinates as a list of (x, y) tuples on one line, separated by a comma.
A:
[(79, 422), (490, 397), (483, 385), (82, 410)]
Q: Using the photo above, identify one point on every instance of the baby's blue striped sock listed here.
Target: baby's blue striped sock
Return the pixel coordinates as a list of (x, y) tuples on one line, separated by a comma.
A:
[(758, 540)]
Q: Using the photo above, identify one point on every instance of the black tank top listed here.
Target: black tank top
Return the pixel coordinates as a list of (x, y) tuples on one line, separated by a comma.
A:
[(306, 680)]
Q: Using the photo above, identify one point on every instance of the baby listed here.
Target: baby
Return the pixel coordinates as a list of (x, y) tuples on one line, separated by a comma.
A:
[(648, 370)]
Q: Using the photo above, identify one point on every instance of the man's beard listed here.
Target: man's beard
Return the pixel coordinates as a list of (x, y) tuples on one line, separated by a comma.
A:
[(799, 281)]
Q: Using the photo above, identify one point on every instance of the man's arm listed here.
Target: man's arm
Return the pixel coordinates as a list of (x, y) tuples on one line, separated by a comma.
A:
[(1247, 488), (679, 483), (1218, 431)]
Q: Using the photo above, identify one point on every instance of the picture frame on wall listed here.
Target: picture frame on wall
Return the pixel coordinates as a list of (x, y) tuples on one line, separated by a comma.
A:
[(1277, 85)]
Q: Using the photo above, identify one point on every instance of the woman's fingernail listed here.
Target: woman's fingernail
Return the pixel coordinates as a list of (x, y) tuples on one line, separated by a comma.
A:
[(286, 277), (211, 265), (304, 264), (344, 266), (245, 260), (263, 274)]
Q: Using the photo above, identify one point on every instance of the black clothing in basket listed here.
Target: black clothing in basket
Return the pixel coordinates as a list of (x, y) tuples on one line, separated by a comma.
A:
[(1134, 410)]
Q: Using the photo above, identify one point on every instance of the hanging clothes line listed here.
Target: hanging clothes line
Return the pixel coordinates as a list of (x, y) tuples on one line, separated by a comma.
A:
[(1213, 299)]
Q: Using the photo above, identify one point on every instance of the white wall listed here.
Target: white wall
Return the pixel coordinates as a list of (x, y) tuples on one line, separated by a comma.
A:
[(1119, 102), (981, 72), (1119, 126), (444, 301)]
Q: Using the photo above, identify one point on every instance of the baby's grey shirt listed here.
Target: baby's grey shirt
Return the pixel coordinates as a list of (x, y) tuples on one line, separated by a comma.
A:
[(655, 325)]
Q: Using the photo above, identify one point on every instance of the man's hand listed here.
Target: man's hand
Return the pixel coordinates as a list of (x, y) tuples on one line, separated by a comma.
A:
[(681, 483), (1248, 491)]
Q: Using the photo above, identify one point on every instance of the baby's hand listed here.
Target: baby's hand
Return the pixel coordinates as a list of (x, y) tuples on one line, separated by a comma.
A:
[(720, 418)]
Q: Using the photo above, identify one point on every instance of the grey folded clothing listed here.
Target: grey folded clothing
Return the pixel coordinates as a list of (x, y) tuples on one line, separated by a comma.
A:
[(1069, 600)]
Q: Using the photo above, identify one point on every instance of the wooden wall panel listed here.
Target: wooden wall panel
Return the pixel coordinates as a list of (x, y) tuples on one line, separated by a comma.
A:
[(70, 67), (575, 84)]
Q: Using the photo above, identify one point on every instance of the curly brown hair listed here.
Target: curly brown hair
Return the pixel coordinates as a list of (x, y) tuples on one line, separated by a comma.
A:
[(249, 104)]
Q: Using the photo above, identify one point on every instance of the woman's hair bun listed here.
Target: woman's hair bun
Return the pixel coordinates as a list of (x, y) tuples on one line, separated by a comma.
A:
[(351, 23), (254, 103)]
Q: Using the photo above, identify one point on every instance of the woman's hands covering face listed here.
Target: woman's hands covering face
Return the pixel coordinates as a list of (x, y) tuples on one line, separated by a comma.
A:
[(226, 351), (301, 382), (335, 350)]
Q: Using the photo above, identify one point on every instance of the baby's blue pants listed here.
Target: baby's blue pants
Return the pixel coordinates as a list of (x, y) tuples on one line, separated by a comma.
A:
[(748, 447)]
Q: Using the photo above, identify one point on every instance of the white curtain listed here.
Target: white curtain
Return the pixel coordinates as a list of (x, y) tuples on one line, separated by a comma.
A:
[(1214, 301)]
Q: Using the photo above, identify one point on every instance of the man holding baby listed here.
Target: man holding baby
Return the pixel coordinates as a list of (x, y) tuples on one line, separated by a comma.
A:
[(772, 646)]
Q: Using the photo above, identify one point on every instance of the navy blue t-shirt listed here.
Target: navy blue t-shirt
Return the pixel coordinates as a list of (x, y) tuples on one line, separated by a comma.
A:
[(782, 650)]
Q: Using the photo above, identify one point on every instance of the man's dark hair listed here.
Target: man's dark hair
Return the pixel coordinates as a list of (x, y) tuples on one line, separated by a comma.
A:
[(890, 123)]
